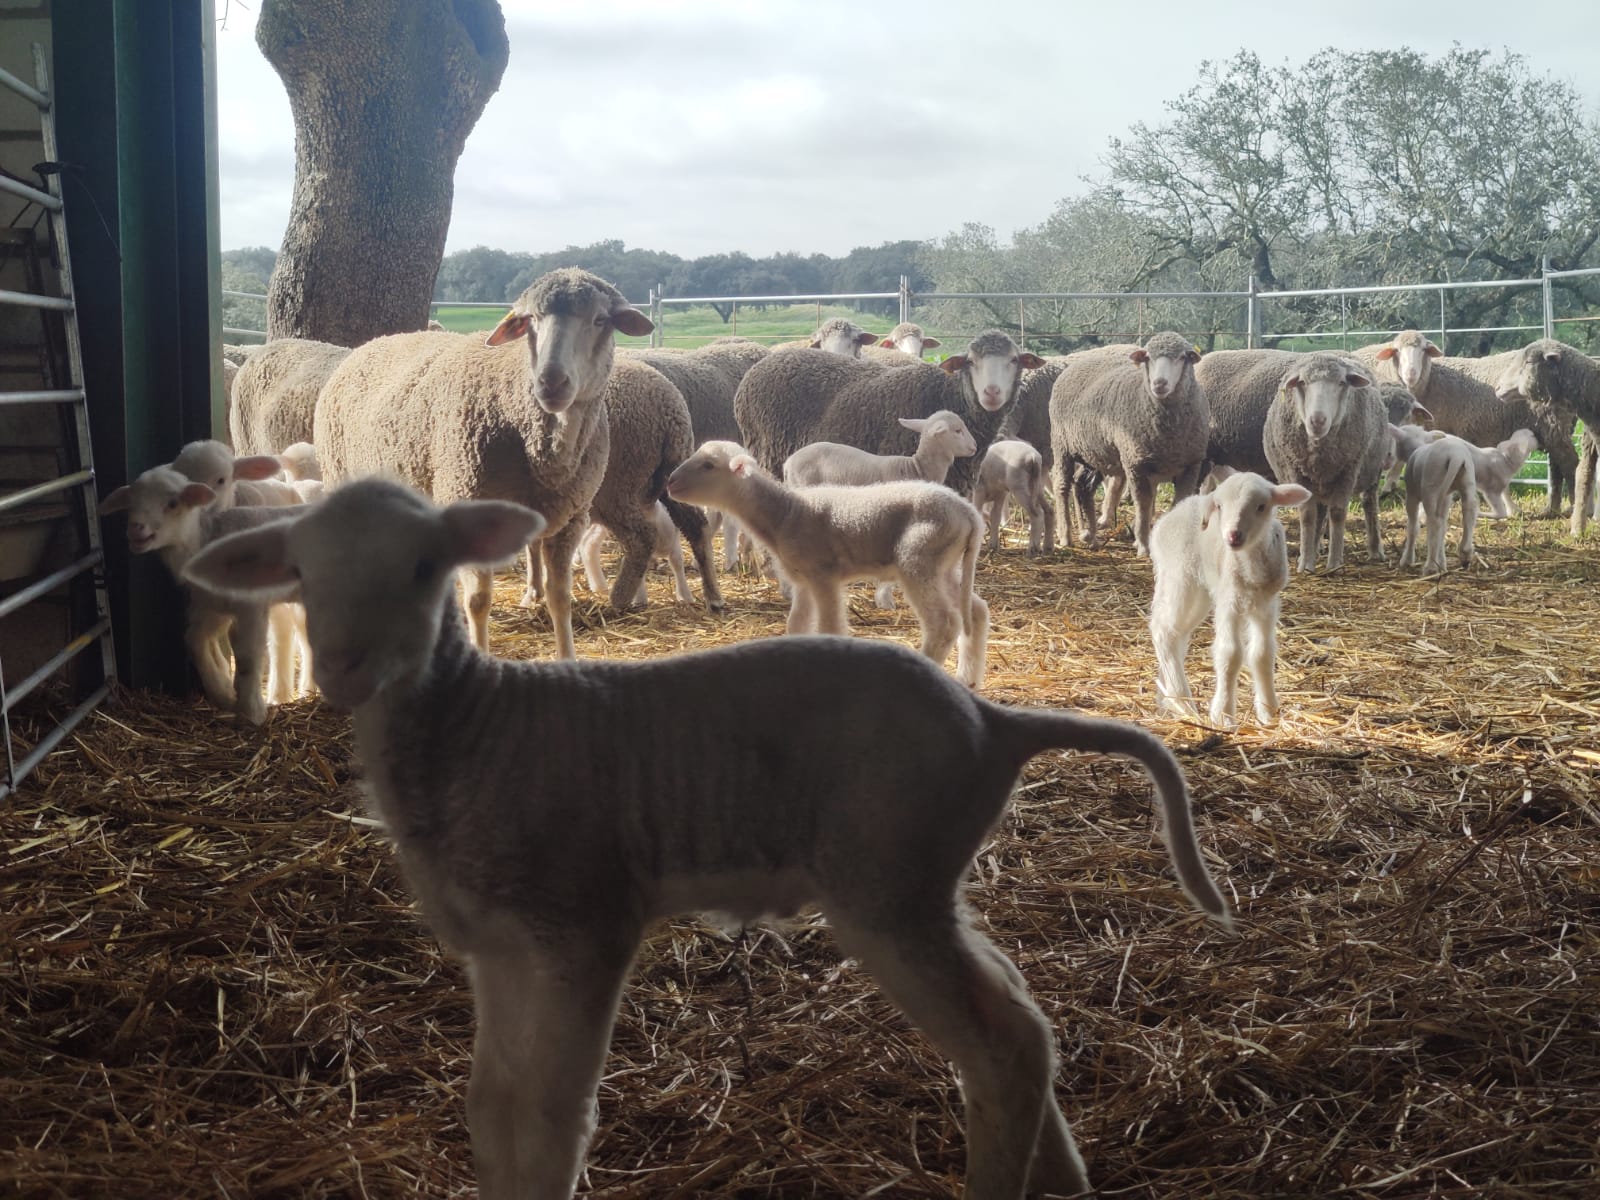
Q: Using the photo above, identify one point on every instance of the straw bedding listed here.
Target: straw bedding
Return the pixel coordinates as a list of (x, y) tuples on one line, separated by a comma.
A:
[(214, 986)]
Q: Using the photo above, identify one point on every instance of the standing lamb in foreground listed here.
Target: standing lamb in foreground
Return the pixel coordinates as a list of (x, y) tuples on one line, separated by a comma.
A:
[(1014, 468), (1222, 552), (1328, 431), (790, 400), (460, 418), (1129, 412), (1436, 471), (771, 790), (920, 535)]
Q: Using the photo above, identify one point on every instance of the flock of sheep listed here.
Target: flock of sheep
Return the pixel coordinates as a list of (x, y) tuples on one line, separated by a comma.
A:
[(542, 860)]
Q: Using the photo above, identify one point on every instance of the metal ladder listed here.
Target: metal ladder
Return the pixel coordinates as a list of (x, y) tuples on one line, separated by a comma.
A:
[(80, 482)]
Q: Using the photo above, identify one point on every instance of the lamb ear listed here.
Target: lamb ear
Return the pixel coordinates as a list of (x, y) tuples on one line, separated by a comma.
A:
[(1032, 361), (488, 531), (629, 320), (742, 464), (930, 343), (1208, 508), (196, 495), (915, 424), (954, 363), (117, 500), (256, 466), (252, 563), (1387, 353), (512, 326), (1290, 494)]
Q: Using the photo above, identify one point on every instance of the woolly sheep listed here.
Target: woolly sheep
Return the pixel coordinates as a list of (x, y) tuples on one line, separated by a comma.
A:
[(1461, 395), (275, 396), (1436, 471), (1223, 552), (919, 535), (173, 516), (462, 418), (1327, 430), (543, 869), (1240, 386), (667, 547), (1129, 412), (836, 335), (1561, 384), (908, 338), (1014, 468), (791, 400)]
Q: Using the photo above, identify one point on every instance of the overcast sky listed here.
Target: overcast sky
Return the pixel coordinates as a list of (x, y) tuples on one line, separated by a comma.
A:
[(697, 126)]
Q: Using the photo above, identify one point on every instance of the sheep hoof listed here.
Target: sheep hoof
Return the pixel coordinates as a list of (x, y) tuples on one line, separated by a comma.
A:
[(531, 598)]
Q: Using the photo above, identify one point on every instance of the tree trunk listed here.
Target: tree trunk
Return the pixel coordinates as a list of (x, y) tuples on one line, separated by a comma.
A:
[(384, 93)]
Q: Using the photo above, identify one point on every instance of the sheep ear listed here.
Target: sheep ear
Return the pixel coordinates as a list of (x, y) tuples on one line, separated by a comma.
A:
[(1221, 471), (954, 363), (1289, 494), (1208, 508), (1552, 356), (629, 320), (256, 466), (1191, 355), (1032, 361), (930, 343), (117, 500), (742, 464), (887, 343), (1396, 431), (196, 495), (512, 326), (1139, 355), (866, 339), (1430, 350), (1356, 380), (1418, 411), (488, 531), (253, 562), (915, 424), (1387, 353)]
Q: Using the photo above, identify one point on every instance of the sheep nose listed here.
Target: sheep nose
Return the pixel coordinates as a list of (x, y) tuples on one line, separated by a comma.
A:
[(1235, 538), (1319, 425), (553, 379), (992, 392)]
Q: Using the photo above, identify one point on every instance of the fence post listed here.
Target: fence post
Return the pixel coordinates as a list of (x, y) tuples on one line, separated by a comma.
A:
[(1022, 325), (1549, 306), (657, 311), (905, 299), (1442, 331), (1252, 315)]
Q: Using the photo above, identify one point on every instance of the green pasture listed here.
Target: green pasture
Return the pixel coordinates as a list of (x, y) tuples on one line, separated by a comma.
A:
[(685, 327)]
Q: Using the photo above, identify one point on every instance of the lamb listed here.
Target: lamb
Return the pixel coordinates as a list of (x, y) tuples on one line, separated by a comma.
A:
[(1561, 384), (1494, 467), (790, 400), (941, 439), (1223, 551), (666, 547), (1461, 395), (299, 462), (247, 479), (1327, 430), (543, 870), (275, 395), (1403, 443), (1129, 412), (908, 338), (1029, 420), (174, 516), (917, 534), (1014, 468), (461, 419), (1436, 471)]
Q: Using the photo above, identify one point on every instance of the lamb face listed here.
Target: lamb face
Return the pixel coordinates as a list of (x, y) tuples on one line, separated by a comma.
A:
[(163, 507), (212, 463), (569, 318), (1243, 505)]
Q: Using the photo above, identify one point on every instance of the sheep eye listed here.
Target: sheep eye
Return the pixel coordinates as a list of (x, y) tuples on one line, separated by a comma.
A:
[(705, 466), (426, 570), (221, 481), (1261, 508), (601, 322), (172, 504)]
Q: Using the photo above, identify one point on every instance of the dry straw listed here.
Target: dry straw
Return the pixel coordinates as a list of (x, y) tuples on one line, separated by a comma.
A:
[(214, 985)]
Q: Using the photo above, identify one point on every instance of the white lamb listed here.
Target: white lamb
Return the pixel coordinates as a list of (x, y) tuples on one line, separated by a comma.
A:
[(942, 438), (1436, 471), (668, 547), (1494, 467), (920, 535), (751, 779), (1222, 552), (1014, 468), (175, 516)]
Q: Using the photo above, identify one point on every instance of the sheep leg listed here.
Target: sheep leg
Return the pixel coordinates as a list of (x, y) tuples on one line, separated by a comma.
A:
[(249, 663), (635, 532), (1369, 511), (1115, 486), (1047, 506), (1083, 485), (1469, 522), (802, 609), (1144, 507), (477, 593), (1227, 659), (680, 577), (594, 571), (1338, 514), (1583, 490), (543, 1031), (1560, 483), (1062, 474), (938, 611), (1175, 613), (1438, 526), (557, 551), (696, 530), (883, 596), (730, 543), (972, 645), (1262, 655), (946, 979), (994, 511), (1187, 483), (308, 678), (533, 592), (1408, 552), (203, 636), (280, 654)]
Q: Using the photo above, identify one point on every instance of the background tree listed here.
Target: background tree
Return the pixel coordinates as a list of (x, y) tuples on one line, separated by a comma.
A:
[(384, 94)]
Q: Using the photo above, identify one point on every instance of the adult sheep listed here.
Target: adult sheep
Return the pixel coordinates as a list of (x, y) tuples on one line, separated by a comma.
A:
[(463, 418), (836, 335), (908, 338), (1562, 384), (791, 400), (275, 394), (1328, 431), (1129, 413), (1240, 386), (1461, 395)]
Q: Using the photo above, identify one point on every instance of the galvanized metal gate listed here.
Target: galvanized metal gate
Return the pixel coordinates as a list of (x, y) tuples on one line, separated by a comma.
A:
[(75, 485)]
